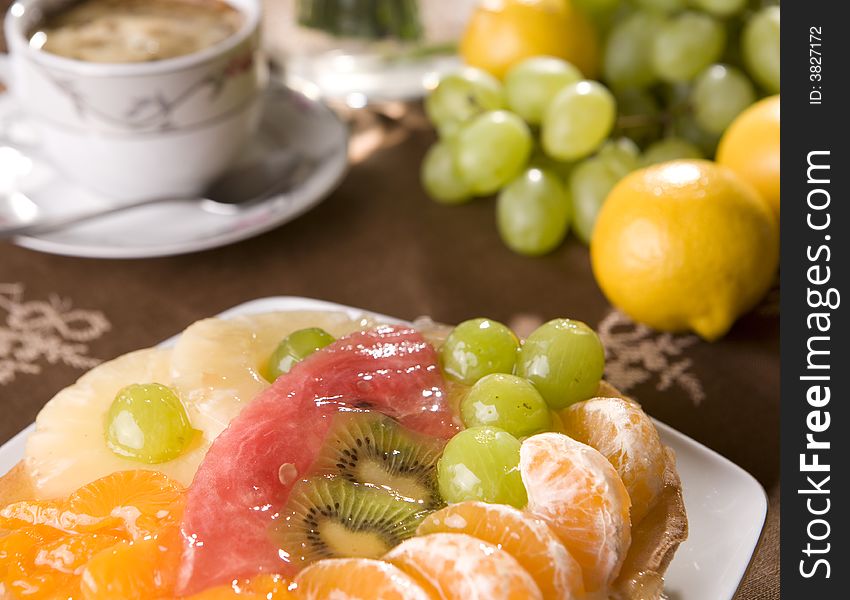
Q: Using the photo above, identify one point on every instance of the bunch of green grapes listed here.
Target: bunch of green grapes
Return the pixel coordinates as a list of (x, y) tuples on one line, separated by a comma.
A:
[(553, 144)]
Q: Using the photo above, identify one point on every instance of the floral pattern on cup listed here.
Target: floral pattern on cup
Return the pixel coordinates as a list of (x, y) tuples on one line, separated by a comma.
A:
[(154, 111)]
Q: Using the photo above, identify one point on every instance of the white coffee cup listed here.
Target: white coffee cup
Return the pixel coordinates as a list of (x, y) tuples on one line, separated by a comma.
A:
[(139, 130)]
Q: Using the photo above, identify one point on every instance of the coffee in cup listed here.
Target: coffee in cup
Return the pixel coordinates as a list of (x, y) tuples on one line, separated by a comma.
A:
[(127, 31)]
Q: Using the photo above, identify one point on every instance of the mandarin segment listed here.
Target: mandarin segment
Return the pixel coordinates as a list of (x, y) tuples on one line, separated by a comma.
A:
[(461, 567), (60, 549), (626, 436), (522, 535), (42, 562), (40, 586), (143, 501), (260, 587), (357, 579), (69, 554), (269, 587), (143, 568), (224, 592), (50, 513), (17, 557), (577, 491)]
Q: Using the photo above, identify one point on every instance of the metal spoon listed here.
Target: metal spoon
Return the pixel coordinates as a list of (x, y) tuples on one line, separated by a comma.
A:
[(237, 190)]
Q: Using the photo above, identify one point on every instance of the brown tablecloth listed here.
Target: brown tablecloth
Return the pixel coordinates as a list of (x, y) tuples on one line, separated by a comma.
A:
[(378, 243)]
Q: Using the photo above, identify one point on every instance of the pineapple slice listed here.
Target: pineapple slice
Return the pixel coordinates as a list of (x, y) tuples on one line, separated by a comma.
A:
[(219, 365), (68, 448), (216, 367)]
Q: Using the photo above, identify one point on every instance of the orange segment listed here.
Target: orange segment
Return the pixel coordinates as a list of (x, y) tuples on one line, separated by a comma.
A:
[(144, 568), (136, 501), (269, 587), (461, 567), (224, 592), (522, 535), (356, 579), (41, 562), (114, 538), (70, 553), (26, 512), (141, 500), (580, 495), (626, 436), (261, 587), (53, 514), (17, 562)]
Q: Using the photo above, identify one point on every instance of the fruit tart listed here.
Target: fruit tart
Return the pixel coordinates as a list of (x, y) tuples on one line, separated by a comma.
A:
[(308, 455)]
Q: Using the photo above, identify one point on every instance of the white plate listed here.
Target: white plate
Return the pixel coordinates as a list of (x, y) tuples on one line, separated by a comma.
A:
[(291, 122), (726, 505)]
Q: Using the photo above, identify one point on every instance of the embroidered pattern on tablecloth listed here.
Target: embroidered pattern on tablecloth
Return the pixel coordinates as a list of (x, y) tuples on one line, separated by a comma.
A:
[(38, 332), (636, 354)]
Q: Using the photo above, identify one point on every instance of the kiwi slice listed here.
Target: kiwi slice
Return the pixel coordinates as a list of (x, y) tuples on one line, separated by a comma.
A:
[(369, 447), (331, 517)]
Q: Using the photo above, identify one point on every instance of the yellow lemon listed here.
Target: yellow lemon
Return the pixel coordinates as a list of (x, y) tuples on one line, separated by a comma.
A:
[(501, 33), (685, 245), (750, 147)]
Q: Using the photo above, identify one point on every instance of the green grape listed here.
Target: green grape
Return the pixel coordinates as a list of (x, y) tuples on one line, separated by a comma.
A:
[(639, 115), (564, 359), (661, 6), (460, 96), (593, 179), (671, 148), (147, 423), (440, 177), (719, 95), (478, 347), (294, 348), (578, 120), (540, 160), (531, 85), (508, 402), (622, 155), (720, 8), (491, 150), (590, 184), (482, 463), (686, 44), (533, 213), (627, 60), (760, 47)]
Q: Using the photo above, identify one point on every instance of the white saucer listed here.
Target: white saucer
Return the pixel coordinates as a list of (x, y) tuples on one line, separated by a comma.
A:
[(291, 121)]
